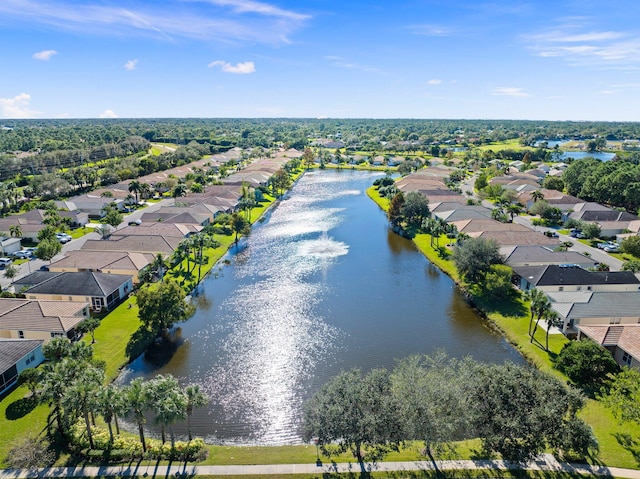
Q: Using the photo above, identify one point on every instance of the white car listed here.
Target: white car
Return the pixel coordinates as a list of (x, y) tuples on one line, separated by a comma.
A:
[(63, 237), (5, 262), (23, 254)]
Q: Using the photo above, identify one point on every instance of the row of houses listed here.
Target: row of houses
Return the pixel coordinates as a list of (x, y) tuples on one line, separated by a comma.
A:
[(603, 306), (104, 272)]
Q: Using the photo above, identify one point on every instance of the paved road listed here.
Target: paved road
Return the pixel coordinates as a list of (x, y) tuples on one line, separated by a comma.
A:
[(34, 264), (144, 469)]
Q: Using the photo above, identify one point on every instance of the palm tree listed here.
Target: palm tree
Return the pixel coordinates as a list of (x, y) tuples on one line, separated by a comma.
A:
[(551, 316), (110, 404), (179, 190), (537, 195), (159, 265), (543, 310), (195, 398), (137, 400), (168, 401), (513, 209), (536, 299), (15, 231), (82, 396), (135, 187), (145, 190)]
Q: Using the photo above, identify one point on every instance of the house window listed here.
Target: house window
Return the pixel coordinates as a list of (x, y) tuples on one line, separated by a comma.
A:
[(57, 335), (21, 334), (588, 288), (560, 288), (579, 288), (614, 321), (626, 358)]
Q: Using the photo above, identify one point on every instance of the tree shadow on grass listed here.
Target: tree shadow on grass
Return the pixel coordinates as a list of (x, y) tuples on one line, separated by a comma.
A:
[(138, 343), (509, 305), (630, 444), (20, 408)]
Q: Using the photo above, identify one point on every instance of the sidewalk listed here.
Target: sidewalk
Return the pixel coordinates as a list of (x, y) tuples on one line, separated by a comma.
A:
[(144, 469)]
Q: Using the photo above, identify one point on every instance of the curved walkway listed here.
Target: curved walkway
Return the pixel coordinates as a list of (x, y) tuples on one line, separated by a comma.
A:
[(143, 469)]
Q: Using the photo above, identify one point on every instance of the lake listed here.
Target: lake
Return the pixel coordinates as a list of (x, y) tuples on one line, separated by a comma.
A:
[(321, 285)]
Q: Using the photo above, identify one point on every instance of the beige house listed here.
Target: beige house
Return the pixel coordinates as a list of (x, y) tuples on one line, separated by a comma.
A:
[(622, 341), (33, 319), (100, 290), (112, 262)]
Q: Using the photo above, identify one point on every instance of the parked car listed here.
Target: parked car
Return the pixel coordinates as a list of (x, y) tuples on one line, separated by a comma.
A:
[(551, 234), (23, 254), (63, 237), (575, 232), (135, 222), (612, 249), (5, 262)]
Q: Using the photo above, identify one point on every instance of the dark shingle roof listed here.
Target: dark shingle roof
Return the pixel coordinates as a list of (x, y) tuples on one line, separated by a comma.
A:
[(13, 350), (551, 275), (80, 284)]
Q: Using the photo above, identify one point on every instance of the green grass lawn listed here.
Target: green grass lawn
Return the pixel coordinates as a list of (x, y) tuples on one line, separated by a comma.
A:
[(513, 144)]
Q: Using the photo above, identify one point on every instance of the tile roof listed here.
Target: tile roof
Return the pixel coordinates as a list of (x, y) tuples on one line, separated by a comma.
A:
[(34, 315), (82, 259), (515, 238), (13, 350), (138, 244), (627, 337)]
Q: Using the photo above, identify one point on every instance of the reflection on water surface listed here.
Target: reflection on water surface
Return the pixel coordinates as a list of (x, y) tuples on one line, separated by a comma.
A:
[(321, 286)]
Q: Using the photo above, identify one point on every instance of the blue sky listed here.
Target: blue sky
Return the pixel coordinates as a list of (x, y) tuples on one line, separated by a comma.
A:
[(538, 60)]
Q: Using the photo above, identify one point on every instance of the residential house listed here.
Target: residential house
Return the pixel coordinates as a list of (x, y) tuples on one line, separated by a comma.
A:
[(196, 215), (41, 320), (137, 244), (622, 341), (16, 355), (570, 277), (100, 290), (9, 245), (93, 206), (516, 256), (577, 309), (612, 222), (518, 238), (111, 262)]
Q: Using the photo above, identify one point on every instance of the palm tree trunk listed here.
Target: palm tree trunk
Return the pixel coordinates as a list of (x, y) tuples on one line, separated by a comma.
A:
[(88, 424), (189, 425), (535, 328), (115, 419), (141, 432), (162, 433), (110, 432)]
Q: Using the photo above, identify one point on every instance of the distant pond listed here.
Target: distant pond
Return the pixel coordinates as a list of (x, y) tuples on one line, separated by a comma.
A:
[(320, 286)]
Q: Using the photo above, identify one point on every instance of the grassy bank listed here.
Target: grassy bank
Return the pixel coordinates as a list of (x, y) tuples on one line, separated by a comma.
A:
[(619, 442)]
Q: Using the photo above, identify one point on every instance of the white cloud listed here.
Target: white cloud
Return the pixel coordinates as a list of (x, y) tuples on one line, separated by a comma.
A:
[(17, 107), (131, 65), (508, 91), (44, 54), (108, 114), (342, 63), (228, 21), (240, 68), (430, 30), (578, 46), (434, 81)]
